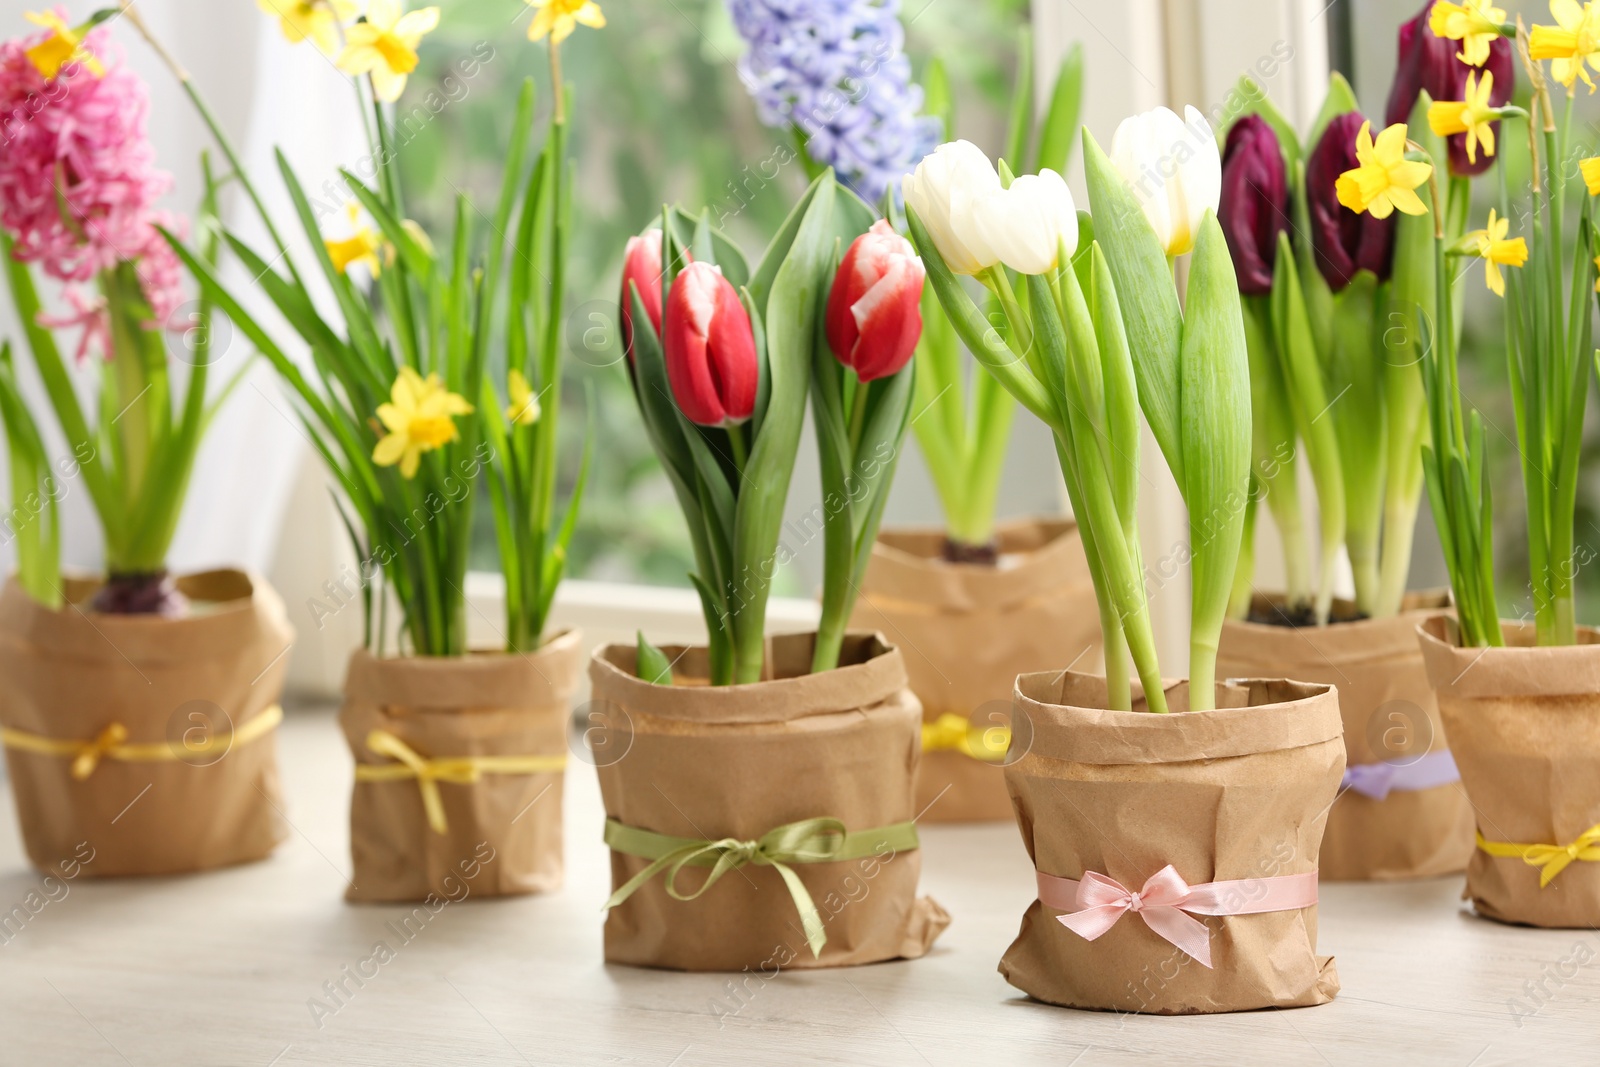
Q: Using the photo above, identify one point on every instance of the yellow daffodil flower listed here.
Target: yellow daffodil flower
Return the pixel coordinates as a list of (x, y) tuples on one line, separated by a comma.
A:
[(1473, 22), (1574, 40), (362, 246), (1591, 174), (63, 46), (558, 18), (1384, 178), (1495, 250), (1597, 280), (1471, 116), (419, 418), (313, 20), (384, 45), (524, 409)]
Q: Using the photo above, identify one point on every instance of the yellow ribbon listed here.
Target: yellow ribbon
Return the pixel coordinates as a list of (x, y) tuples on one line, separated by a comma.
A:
[(953, 733), (112, 743), (459, 770), (1550, 859)]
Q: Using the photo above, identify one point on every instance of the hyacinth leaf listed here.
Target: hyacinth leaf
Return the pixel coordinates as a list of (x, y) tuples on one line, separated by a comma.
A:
[(36, 526), (792, 313), (1060, 127), (1154, 322), (1253, 100), (1340, 100), (975, 331), (936, 98), (1308, 400), (1216, 432), (654, 666)]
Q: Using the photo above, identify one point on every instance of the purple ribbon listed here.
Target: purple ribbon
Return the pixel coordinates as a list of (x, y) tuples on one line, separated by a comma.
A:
[(1377, 780)]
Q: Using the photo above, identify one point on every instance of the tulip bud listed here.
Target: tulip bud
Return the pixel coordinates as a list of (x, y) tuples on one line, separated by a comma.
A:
[(641, 265), (1343, 240), (710, 349), (874, 309), (1023, 226), (1174, 169), (1432, 63), (943, 189), (1255, 202)]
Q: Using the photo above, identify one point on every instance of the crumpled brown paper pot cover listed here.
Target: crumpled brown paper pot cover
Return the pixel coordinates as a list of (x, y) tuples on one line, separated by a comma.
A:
[(1241, 792), (1389, 716), (738, 761), (483, 704), (68, 675), (967, 630), (1524, 723)]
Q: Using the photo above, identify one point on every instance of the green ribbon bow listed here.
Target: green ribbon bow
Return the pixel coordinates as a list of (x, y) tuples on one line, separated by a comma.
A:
[(822, 840)]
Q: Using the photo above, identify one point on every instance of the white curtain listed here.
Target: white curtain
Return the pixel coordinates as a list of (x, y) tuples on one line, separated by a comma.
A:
[(264, 93)]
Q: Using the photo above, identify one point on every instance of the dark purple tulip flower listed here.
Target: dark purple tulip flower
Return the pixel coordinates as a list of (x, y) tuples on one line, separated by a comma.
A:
[(1429, 62), (1344, 241), (1255, 202)]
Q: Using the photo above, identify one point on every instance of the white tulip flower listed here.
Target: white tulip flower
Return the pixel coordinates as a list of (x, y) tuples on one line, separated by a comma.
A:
[(1024, 226), (1174, 168), (943, 189)]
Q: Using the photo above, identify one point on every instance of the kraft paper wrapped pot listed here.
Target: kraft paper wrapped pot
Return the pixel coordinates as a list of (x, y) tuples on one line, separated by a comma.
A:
[(1238, 796), (1524, 723), (490, 730), (147, 742), (729, 765), (1405, 815), (966, 631)]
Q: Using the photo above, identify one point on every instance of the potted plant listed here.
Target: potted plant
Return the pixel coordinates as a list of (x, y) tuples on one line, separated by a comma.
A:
[(409, 403), (1518, 695), (138, 707), (997, 599), (1142, 796), (787, 759), (1336, 380)]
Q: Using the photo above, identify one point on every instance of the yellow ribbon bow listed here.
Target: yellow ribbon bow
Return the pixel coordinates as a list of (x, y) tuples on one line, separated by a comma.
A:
[(88, 757), (112, 743), (953, 733), (1550, 859), (820, 840), (459, 770)]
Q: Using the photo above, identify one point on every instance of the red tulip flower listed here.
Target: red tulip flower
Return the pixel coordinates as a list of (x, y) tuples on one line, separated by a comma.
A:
[(1255, 202), (641, 265), (710, 348), (1344, 241), (874, 310), (1431, 62)]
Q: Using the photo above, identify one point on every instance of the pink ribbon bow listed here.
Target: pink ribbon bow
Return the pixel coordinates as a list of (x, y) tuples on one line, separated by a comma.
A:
[(1168, 904)]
